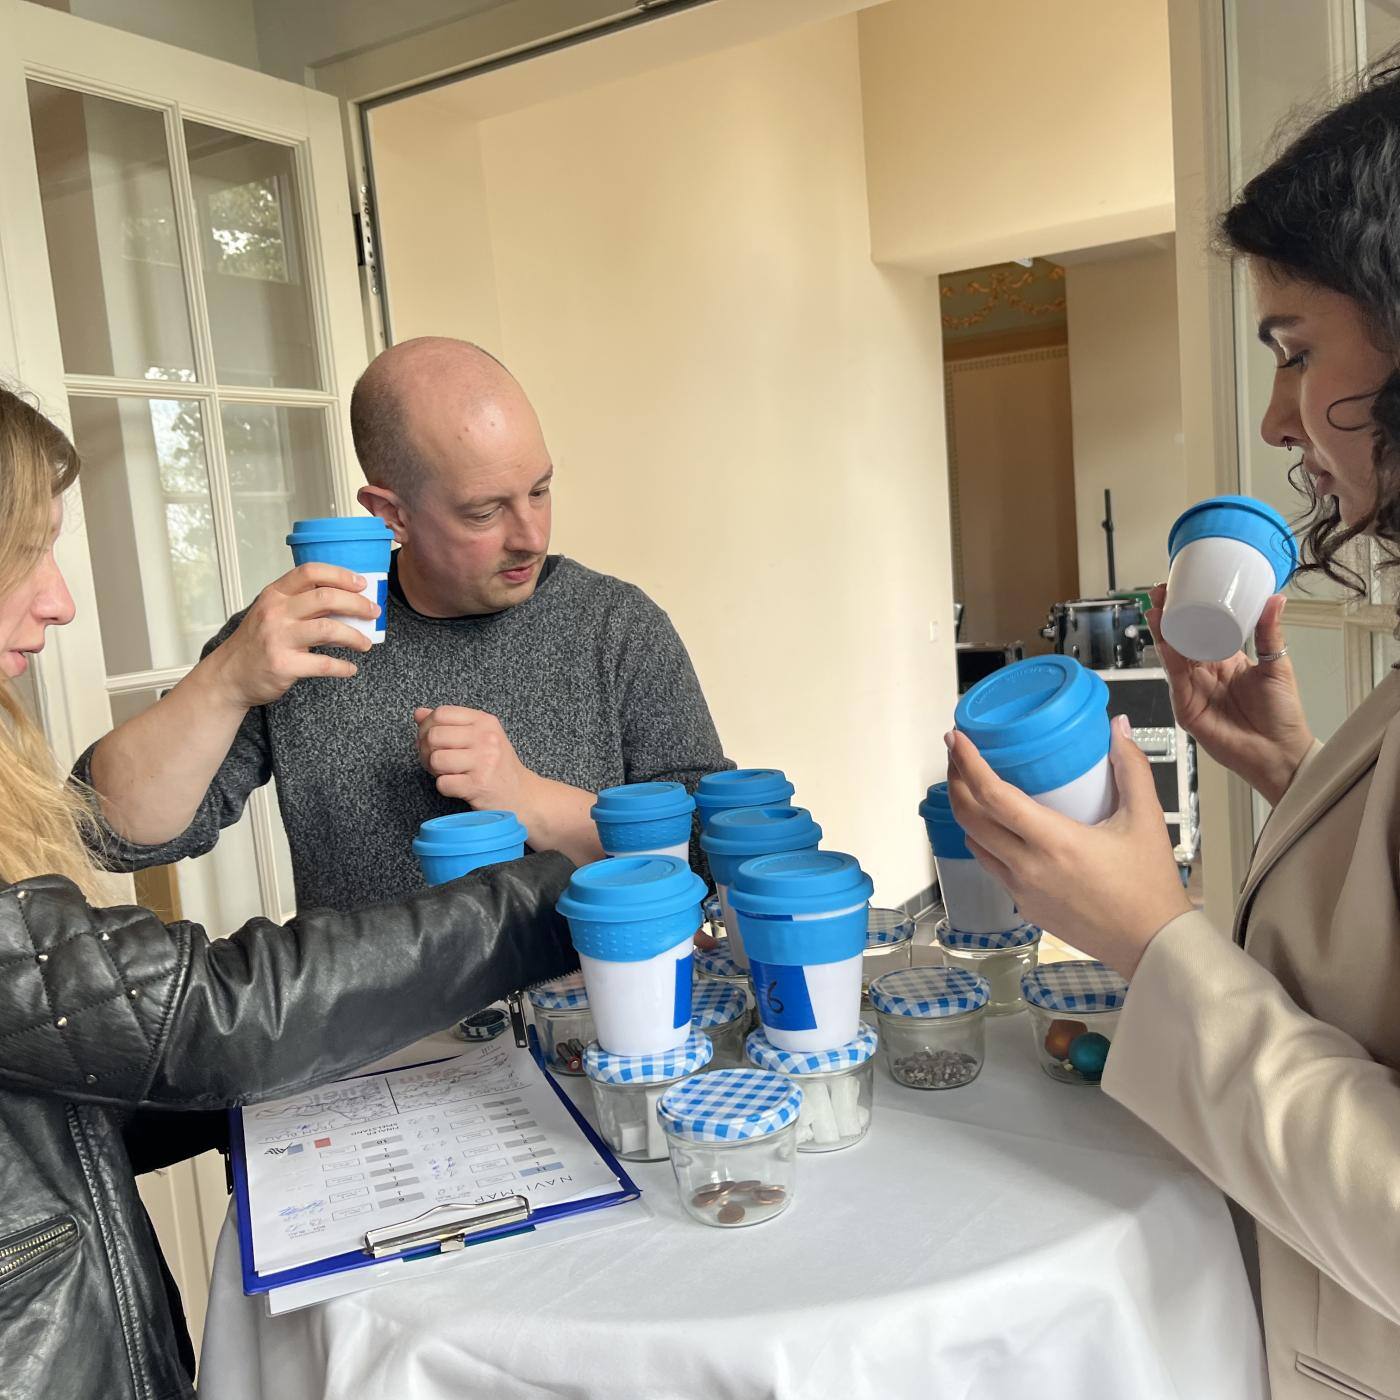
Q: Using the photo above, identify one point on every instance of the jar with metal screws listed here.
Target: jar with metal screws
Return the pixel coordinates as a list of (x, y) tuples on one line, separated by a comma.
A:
[(627, 1089), (1074, 1014), (838, 1087), (889, 945), (932, 1026), (733, 1141), (722, 1011), (563, 1023), (1001, 958)]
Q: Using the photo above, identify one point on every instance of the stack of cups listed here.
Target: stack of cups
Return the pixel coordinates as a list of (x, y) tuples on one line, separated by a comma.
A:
[(1042, 726), (452, 846), (974, 900), (739, 834), (645, 819), (741, 787), (633, 920), (1228, 556), (803, 917), (359, 543)]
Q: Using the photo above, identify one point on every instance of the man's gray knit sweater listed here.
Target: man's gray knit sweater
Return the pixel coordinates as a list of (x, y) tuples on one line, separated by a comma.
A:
[(588, 678)]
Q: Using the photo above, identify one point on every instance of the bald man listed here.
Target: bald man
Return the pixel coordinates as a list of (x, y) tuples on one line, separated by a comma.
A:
[(509, 678)]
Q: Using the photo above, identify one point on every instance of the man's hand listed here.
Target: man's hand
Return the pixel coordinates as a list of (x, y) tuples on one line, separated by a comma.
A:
[(271, 649), (468, 753)]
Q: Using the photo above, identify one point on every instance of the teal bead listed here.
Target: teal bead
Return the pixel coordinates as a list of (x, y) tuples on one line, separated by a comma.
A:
[(1088, 1054)]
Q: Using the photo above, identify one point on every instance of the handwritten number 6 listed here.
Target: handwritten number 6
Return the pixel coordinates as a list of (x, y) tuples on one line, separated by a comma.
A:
[(774, 1004)]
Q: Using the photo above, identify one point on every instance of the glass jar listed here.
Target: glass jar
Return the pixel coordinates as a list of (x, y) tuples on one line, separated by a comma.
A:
[(722, 1011), (932, 1025), (563, 1023), (717, 965), (628, 1088), (1001, 959), (733, 1142), (838, 1087), (713, 913), (889, 946), (1074, 1014)]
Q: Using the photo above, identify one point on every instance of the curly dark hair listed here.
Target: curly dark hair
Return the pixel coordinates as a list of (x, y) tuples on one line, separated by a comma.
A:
[(1327, 211)]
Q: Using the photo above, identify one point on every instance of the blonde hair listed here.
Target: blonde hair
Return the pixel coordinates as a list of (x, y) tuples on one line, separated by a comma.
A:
[(43, 819)]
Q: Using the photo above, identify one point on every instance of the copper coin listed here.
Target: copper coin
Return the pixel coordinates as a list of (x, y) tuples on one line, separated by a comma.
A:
[(708, 1196), (747, 1185), (768, 1195), (731, 1214)]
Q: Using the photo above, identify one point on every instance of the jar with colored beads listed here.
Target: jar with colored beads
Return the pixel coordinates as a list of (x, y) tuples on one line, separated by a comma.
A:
[(732, 1136), (563, 1023), (932, 1026), (723, 1012), (1002, 959), (889, 945), (838, 1087), (628, 1088), (1074, 1013)]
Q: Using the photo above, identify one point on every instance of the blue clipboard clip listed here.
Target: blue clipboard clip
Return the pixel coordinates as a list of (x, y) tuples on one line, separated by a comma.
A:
[(446, 1227)]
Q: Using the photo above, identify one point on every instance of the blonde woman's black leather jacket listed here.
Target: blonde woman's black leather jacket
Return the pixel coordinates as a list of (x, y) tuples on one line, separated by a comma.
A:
[(122, 1042)]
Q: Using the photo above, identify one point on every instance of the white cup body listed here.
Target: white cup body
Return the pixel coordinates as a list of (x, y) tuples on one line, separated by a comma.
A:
[(681, 851), (1090, 798), (1216, 590), (974, 899), (373, 628), (634, 1003), (731, 926), (834, 991)]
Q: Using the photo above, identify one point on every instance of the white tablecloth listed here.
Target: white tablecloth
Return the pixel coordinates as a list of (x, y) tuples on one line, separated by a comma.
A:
[(1014, 1239)]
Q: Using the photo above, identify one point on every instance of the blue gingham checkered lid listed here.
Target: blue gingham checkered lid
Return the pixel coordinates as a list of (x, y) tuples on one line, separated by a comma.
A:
[(565, 994), (1074, 986), (885, 927), (717, 962), (763, 1053), (607, 1068), (929, 991), (730, 1105), (711, 909), (1021, 937), (714, 1004)]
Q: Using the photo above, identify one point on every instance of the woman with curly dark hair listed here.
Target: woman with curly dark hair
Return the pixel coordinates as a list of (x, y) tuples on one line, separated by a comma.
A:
[(1271, 1058)]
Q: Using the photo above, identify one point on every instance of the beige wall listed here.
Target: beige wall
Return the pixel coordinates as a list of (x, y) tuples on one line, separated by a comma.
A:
[(1015, 492), (1125, 383), (1010, 128), (738, 401)]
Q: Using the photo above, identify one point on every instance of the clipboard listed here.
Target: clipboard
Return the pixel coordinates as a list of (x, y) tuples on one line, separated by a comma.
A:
[(441, 1228)]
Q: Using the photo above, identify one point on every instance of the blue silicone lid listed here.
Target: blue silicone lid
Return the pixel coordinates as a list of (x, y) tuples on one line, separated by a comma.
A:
[(738, 834), (741, 787), (642, 802), (800, 882), (944, 834), (467, 833), (1039, 723), (1256, 523), (360, 542), (629, 908)]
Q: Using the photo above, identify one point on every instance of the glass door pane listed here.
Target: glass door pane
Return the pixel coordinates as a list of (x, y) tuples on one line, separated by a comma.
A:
[(247, 202), (113, 240)]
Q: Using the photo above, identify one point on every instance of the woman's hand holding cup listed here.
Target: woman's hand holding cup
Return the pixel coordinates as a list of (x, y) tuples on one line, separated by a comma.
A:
[(1247, 715)]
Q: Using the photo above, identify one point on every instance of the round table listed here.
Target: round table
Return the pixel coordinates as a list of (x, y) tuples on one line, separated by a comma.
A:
[(1016, 1238)]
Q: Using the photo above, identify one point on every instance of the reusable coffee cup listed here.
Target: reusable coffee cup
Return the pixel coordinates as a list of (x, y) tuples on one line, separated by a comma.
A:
[(359, 543), (741, 787), (1042, 725), (974, 900), (455, 845), (741, 833), (803, 916), (644, 819), (1229, 555), (633, 920)]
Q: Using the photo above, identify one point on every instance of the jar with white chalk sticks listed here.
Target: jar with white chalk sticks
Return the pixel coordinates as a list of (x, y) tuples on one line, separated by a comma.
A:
[(838, 1087), (628, 1088)]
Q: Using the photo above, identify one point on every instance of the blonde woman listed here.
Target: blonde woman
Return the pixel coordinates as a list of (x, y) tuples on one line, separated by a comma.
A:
[(116, 1029)]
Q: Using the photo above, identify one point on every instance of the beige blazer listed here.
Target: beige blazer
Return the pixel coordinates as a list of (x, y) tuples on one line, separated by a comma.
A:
[(1274, 1069)]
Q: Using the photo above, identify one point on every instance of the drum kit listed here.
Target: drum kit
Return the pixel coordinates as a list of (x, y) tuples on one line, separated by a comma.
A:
[(1105, 634)]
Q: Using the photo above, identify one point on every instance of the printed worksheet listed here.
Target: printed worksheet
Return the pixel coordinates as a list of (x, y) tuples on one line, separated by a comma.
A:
[(330, 1164)]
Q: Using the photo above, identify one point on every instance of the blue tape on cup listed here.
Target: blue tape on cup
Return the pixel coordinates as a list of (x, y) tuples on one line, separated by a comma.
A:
[(629, 908), (1039, 723), (455, 845), (359, 543), (738, 834), (642, 816), (783, 999), (802, 907), (1242, 518), (947, 838), (741, 787)]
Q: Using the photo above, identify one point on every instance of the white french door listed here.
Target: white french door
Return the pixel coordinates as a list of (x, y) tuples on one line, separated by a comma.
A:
[(178, 267)]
